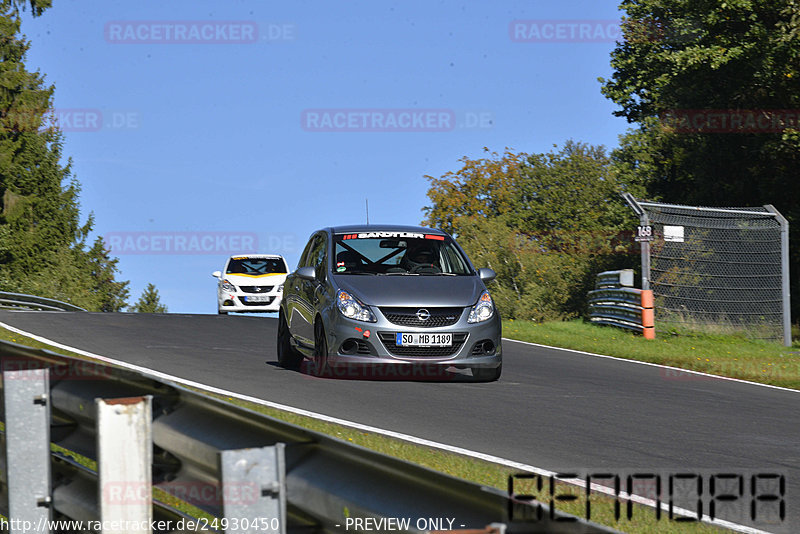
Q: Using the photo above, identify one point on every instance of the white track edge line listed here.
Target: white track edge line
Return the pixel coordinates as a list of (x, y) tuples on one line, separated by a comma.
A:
[(396, 435), (651, 364)]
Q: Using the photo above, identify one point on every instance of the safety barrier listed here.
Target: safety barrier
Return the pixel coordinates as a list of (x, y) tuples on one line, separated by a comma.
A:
[(119, 435), (615, 302), (31, 302)]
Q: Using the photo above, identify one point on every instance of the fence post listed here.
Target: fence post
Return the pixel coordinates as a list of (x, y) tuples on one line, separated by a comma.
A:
[(254, 487), (787, 310), (27, 419), (124, 463), (644, 220)]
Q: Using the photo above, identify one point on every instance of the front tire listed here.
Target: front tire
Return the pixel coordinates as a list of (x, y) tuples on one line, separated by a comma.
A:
[(220, 312), (320, 350), (487, 375), (288, 356)]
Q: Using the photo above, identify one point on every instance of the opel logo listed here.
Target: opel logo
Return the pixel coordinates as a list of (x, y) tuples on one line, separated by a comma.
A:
[(423, 314)]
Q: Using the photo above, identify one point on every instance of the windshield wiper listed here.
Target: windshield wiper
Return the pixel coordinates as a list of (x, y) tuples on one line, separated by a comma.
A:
[(358, 272)]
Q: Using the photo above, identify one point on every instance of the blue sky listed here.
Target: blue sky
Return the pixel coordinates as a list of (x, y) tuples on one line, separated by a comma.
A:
[(205, 138)]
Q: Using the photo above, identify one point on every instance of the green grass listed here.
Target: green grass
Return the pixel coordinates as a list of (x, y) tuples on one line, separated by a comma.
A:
[(571, 335), (726, 355), (8, 335)]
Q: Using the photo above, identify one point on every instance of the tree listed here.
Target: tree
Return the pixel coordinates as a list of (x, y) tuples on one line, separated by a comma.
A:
[(682, 60), (112, 295), (546, 223), (13, 7), (149, 302), (42, 241)]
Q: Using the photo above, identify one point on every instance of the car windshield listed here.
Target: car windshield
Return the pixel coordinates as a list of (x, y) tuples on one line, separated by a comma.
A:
[(398, 253), (255, 266)]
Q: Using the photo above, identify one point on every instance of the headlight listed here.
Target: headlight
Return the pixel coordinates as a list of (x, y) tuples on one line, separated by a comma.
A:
[(351, 308), (483, 310), (280, 288), (227, 286)]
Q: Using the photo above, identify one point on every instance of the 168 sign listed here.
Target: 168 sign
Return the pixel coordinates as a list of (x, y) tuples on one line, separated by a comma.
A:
[(644, 233)]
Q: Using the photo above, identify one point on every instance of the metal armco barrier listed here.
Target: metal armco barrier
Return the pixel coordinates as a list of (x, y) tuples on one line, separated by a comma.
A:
[(614, 302), (31, 302), (229, 462)]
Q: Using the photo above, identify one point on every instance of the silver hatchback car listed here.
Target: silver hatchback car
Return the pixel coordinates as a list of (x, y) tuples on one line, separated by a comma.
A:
[(391, 301)]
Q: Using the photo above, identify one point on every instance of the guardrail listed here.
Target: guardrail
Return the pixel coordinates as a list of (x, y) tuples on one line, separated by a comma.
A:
[(117, 434), (31, 302), (614, 302)]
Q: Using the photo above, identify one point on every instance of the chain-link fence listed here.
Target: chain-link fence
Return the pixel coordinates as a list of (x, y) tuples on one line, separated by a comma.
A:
[(717, 269)]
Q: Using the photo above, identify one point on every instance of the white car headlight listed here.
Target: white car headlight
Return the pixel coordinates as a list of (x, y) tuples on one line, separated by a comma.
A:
[(351, 308), (483, 310), (280, 288), (227, 286)]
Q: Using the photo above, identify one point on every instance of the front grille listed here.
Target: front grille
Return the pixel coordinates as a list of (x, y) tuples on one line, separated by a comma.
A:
[(263, 303), (388, 340), (408, 316), (256, 289), (363, 347)]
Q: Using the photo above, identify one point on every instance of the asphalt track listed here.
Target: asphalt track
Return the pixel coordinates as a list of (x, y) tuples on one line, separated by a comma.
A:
[(558, 410)]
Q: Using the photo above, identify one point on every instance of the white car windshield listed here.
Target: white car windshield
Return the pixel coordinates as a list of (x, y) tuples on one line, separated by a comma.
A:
[(255, 266)]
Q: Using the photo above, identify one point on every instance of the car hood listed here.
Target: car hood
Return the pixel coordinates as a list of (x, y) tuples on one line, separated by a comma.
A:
[(429, 291), (261, 280)]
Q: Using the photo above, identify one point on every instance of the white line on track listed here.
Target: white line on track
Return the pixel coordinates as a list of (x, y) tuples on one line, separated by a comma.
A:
[(406, 437), (662, 366)]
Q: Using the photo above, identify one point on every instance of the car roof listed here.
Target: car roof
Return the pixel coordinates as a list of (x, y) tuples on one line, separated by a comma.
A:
[(357, 228)]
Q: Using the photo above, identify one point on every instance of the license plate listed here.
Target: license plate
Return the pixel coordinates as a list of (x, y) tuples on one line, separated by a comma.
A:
[(424, 340), (257, 299)]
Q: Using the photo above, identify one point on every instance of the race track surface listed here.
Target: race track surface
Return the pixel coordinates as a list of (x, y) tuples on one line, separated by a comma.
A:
[(553, 409)]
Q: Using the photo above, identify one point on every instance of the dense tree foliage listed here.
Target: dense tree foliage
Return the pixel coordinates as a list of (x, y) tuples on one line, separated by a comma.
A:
[(43, 248), (546, 223), (149, 302), (738, 58)]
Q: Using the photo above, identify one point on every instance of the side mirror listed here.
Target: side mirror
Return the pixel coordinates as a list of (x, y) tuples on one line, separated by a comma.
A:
[(486, 274), (306, 273), (217, 274)]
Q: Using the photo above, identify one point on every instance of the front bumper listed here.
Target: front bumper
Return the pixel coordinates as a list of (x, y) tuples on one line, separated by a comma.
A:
[(238, 302), (360, 344)]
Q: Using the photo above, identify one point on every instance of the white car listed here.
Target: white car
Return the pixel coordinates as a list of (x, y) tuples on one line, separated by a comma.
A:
[(251, 283)]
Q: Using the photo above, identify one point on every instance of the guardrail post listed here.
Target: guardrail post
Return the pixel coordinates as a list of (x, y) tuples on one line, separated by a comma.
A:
[(648, 315), (27, 419), (124, 463), (254, 490)]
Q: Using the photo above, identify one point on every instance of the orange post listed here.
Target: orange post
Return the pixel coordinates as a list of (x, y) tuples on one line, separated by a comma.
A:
[(648, 315), (647, 298), (648, 320)]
